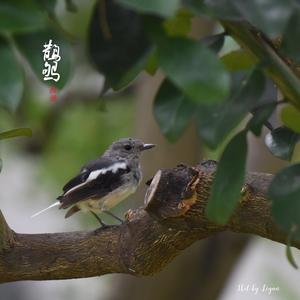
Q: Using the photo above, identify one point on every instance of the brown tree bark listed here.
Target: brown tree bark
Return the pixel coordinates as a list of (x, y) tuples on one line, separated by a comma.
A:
[(198, 278), (172, 219)]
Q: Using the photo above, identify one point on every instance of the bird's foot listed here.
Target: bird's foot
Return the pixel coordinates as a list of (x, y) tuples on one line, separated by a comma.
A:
[(114, 216), (103, 225)]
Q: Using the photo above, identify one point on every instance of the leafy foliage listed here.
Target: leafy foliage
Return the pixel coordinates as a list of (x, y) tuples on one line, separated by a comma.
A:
[(11, 81), (21, 16), (238, 60), (260, 117), (214, 42), (270, 16), (180, 24), (289, 47), (290, 116), (228, 182), (120, 48), (194, 69), (30, 45), (281, 142), (215, 122), (288, 250), (172, 110), (219, 91), (15, 133), (164, 8), (29, 24), (284, 192)]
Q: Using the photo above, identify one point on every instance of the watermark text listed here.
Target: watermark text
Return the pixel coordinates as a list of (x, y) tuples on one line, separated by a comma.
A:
[(256, 289)]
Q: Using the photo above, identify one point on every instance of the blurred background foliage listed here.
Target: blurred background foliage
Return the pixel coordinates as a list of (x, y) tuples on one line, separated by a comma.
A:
[(197, 86)]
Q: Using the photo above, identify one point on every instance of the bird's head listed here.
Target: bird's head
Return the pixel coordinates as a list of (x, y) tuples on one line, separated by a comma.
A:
[(128, 148)]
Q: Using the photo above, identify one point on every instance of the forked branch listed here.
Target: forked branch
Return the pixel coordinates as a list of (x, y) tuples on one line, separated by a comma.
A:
[(171, 220)]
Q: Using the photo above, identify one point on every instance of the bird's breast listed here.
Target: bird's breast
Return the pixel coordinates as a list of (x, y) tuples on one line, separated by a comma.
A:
[(116, 196), (109, 201)]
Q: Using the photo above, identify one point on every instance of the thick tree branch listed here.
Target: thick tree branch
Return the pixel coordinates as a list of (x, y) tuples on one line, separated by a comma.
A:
[(171, 220), (6, 235)]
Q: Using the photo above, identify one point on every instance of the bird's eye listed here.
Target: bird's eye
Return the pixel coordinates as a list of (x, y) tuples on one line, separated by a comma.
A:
[(127, 147)]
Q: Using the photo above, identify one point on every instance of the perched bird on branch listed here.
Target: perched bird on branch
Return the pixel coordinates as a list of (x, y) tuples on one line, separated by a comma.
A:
[(103, 183)]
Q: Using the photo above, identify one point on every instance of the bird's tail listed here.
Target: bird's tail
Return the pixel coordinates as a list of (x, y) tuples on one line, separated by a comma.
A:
[(43, 210)]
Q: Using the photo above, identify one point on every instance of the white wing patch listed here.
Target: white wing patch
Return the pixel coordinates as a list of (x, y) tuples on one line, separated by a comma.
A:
[(94, 174)]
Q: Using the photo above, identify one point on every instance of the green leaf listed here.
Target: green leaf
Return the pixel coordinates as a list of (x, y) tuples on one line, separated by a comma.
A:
[(11, 78), (166, 8), (270, 16), (31, 46), (228, 181), (180, 24), (281, 142), (196, 6), (292, 34), (224, 9), (15, 133), (284, 192), (238, 60), (48, 5), (151, 64), (288, 250), (131, 74), (290, 117), (172, 110), (21, 16), (260, 116), (214, 42), (71, 6), (118, 45), (194, 69), (215, 122)]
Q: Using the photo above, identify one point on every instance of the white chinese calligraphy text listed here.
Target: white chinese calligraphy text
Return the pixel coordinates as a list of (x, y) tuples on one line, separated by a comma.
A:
[(51, 58)]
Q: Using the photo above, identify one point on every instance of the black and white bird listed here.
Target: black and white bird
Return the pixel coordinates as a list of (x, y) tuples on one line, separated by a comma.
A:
[(103, 183)]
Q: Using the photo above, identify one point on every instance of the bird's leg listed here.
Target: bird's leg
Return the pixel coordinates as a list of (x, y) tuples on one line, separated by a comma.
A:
[(103, 225), (114, 216)]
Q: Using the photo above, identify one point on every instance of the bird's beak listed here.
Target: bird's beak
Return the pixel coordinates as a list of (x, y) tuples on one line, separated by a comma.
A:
[(147, 146)]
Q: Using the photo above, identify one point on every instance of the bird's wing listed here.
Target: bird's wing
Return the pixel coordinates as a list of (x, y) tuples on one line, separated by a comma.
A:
[(100, 163), (96, 180)]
